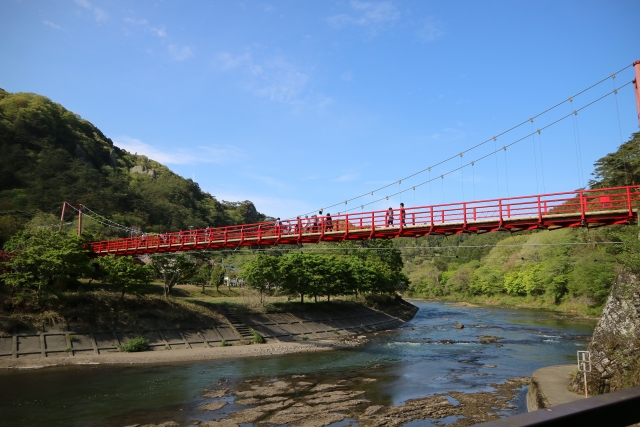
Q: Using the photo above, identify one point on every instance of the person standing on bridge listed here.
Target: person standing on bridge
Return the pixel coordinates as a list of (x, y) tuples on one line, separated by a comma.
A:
[(389, 218), (403, 215), (329, 222)]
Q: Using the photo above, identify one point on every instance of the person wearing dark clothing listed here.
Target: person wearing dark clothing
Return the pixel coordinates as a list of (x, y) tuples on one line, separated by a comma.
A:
[(389, 217), (403, 215), (329, 222)]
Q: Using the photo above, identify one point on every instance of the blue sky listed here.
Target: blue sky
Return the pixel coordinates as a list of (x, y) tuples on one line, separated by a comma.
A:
[(298, 105)]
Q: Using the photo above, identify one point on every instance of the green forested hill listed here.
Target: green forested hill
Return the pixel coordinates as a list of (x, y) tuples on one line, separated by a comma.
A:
[(572, 268), (50, 155)]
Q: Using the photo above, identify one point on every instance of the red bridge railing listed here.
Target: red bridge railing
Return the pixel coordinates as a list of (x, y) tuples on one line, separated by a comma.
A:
[(543, 211)]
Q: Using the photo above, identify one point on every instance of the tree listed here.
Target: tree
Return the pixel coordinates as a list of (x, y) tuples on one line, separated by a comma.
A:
[(42, 259), (262, 273), (294, 275), (210, 274), (619, 168), (172, 269), (386, 262), (126, 275)]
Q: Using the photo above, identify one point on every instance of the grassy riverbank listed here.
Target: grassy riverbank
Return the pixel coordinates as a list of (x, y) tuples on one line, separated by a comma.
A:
[(100, 306)]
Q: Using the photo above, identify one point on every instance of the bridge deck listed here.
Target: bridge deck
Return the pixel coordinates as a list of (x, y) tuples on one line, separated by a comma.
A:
[(550, 211)]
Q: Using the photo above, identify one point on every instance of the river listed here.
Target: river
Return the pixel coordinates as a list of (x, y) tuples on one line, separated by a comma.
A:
[(425, 357)]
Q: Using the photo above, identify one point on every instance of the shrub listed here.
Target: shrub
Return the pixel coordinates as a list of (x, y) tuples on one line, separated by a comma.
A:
[(135, 344), (256, 337), (223, 343)]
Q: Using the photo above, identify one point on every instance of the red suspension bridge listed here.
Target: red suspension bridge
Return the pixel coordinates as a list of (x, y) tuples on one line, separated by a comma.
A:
[(582, 208)]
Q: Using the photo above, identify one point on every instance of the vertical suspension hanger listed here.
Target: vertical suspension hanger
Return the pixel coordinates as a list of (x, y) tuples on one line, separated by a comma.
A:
[(430, 203), (473, 179), (576, 141), (495, 151), (544, 188), (442, 181), (506, 171), (535, 155), (624, 158), (462, 173)]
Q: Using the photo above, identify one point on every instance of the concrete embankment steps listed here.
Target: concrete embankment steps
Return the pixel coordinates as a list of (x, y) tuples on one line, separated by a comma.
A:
[(71, 340), (236, 323)]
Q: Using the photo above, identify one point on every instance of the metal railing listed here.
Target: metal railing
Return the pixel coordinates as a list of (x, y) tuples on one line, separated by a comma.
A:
[(617, 409), (567, 209)]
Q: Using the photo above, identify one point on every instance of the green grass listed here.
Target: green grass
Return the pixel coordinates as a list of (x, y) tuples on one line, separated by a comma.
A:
[(257, 338), (134, 345)]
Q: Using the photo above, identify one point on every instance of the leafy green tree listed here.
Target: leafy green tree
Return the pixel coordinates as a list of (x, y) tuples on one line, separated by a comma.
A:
[(591, 279), (619, 168), (172, 269), (42, 259), (388, 262), (262, 273), (125, 274), (487, 280), (294, 275)]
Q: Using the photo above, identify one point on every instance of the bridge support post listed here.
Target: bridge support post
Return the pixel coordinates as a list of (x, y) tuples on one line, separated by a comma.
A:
[(636, 85), (64, 205), (79, 220)]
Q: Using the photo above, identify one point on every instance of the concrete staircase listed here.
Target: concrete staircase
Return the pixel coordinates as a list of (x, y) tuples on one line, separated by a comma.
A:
[(243, 330)]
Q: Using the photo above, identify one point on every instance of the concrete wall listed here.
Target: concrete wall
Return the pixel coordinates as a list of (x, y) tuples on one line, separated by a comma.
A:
[(71, 340)]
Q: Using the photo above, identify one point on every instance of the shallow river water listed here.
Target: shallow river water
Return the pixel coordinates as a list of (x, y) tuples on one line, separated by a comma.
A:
[(425, 357)]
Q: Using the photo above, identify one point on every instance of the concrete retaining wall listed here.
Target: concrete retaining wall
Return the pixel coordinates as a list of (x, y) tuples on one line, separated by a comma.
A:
[(72, 340)]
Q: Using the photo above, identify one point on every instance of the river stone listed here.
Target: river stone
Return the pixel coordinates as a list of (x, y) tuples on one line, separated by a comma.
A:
[(276, 406), (225, 422), (212, 406), (488, 339), (247, 415), (323, 387), (216, 393), (333, 397), (321, 420), (458, 326), (373, 409)]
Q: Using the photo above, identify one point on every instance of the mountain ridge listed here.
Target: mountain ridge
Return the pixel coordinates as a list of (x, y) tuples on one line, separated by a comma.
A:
[(52, 155)]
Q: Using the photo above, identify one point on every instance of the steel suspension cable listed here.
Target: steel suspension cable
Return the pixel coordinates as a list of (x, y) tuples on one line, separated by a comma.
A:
[(481, 143), (573, 113)]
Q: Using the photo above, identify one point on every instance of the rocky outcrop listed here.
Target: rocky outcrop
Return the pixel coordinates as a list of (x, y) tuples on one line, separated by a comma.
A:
[(615, 340), (83, 156), (142, 170)]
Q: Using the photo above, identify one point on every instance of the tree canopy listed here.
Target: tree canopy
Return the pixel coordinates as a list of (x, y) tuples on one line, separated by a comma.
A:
[(348, 272)]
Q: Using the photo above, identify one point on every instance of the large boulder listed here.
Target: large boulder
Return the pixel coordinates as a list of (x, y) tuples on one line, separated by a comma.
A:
[(616, 340)]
